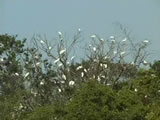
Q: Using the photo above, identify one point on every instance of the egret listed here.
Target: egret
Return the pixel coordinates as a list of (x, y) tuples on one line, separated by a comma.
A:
[(71, 83), (93, 36), (62, 51)]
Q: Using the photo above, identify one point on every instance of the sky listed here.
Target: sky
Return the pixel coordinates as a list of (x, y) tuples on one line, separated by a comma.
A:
[(28, 17)]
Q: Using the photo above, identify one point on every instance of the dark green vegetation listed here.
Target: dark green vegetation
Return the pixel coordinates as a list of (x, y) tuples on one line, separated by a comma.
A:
[(34, 87)]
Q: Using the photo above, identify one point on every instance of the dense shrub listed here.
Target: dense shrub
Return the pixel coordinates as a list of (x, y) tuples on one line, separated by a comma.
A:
[(47, 112), (95, 101)]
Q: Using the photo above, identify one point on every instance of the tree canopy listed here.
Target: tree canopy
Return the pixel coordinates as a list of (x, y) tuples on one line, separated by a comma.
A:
[(46, 82)]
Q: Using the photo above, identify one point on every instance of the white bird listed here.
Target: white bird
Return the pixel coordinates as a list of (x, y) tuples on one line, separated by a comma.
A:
[(124, 39), (135, 90), (42, 42), (26, 75), (49, 47), (1, 45), (103, 76), (94, 76), (62, 51), (106, 57), (57, 60), (122, 53), (59, 90), (72, 58), (36, 57), (41, 83), (82, 74), (145, 62), (115, 52), (95, 60), (99, 79), (94, 49), (71, 83), (145, 41), (20, 106), (38, 63), (79, 30), (102, 39), (62, 82), (60, 65), (79, 67), (90, 45), (85, 70), (112, 37), (1, 60), (60, 33), (132, 63), (64, 77), (105, 65), (108, 84), (17, 74), (93, 36)]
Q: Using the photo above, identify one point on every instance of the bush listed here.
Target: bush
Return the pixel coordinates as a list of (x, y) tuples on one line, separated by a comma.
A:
[(95, 101), (47, 112)]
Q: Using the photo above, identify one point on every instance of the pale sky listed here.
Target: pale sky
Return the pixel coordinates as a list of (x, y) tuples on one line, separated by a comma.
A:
[(26, 17)]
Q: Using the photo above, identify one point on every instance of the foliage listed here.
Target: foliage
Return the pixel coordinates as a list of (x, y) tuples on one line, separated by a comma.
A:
[(130, 106), (10, 51), (154, 112), (13, 106), (95, 101), (156, 67), (47, 112), (148, 88)]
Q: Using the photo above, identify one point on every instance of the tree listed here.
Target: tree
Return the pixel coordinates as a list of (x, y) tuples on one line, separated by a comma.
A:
[(47, 112), (10, 64), (95, 101), (156, 67), (148, 89), (38, 78)]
